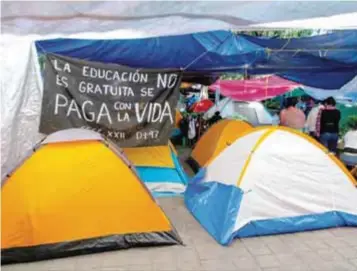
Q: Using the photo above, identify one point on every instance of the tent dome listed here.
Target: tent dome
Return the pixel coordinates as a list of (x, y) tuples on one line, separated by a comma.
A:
[(272, 180), (252, 112), (215, 140), (79, 185)]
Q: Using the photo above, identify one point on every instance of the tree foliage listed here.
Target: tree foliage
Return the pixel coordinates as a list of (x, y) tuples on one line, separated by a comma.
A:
[(283, 34), (232, 76), (350, 123)]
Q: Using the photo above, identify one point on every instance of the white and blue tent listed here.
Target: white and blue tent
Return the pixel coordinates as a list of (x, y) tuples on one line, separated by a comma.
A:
[(272, 180)]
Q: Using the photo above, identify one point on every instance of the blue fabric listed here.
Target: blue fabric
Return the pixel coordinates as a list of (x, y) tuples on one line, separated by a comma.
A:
[(176, 132), (339, 95), (179, 169), (297, 224), (215, 206), (222, 51), (164, 175), (192, 100), (313, 53), (352, 96), (159, 175)]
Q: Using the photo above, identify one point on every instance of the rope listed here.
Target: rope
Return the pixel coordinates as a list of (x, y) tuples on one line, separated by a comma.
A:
[(245, 66), (282, 48), (204, 53), (42, 49), (195, 60)]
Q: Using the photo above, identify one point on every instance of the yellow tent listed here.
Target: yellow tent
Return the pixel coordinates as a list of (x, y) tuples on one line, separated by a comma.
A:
[(159, 168), (215, 140), (76, 194)]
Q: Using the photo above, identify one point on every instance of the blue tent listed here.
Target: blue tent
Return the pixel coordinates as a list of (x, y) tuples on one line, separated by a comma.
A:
[(327, 61), (164, 181), (159, 168)]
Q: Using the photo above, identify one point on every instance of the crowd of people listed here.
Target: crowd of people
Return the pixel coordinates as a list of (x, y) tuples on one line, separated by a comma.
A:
[(321, 120)]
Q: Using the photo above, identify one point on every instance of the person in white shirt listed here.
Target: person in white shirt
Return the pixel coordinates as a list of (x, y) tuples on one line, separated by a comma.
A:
[(310, 124), (349, 154)]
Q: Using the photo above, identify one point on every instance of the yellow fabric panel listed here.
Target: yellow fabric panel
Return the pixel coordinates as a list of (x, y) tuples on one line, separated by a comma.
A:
[(217, 138), (74, 191), (158, 156), (178, 118)]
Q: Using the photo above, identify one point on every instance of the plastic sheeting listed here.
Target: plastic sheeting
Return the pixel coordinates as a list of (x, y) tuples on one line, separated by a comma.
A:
[(172, 17), (273, 86), (25, 22), (303, 60), (21, 97), (327, 61), (253, 112), (205, 52), (254, 89), (348, 91)]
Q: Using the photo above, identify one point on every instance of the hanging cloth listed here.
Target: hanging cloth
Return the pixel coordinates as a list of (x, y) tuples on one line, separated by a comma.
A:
[(192, 129)]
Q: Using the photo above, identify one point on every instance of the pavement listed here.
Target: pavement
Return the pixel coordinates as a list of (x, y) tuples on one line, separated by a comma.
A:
[(324, 250)]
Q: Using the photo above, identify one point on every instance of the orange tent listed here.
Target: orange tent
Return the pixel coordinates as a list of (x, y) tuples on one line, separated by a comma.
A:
[(76, 194), (215, 140)]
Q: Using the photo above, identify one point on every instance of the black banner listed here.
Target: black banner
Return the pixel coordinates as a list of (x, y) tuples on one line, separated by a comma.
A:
[(132, 107)]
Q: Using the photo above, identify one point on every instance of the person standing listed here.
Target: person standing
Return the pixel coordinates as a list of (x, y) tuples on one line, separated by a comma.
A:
[(310, 105), (291, 116), (311, 120), (327, 125), (349, 154), (301, 104), (215, 118)]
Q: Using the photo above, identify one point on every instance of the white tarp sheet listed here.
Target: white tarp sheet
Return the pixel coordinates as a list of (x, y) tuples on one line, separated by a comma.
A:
[(349, 89), (177, 17)]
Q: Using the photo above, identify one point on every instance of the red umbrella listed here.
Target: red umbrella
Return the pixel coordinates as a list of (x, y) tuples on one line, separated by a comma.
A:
[(202, 106)]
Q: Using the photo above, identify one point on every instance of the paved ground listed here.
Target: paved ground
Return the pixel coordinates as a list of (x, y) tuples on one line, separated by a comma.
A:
[(326, 250)]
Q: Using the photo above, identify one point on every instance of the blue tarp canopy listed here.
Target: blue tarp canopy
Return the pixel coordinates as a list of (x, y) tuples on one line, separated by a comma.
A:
[(327, 61)]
